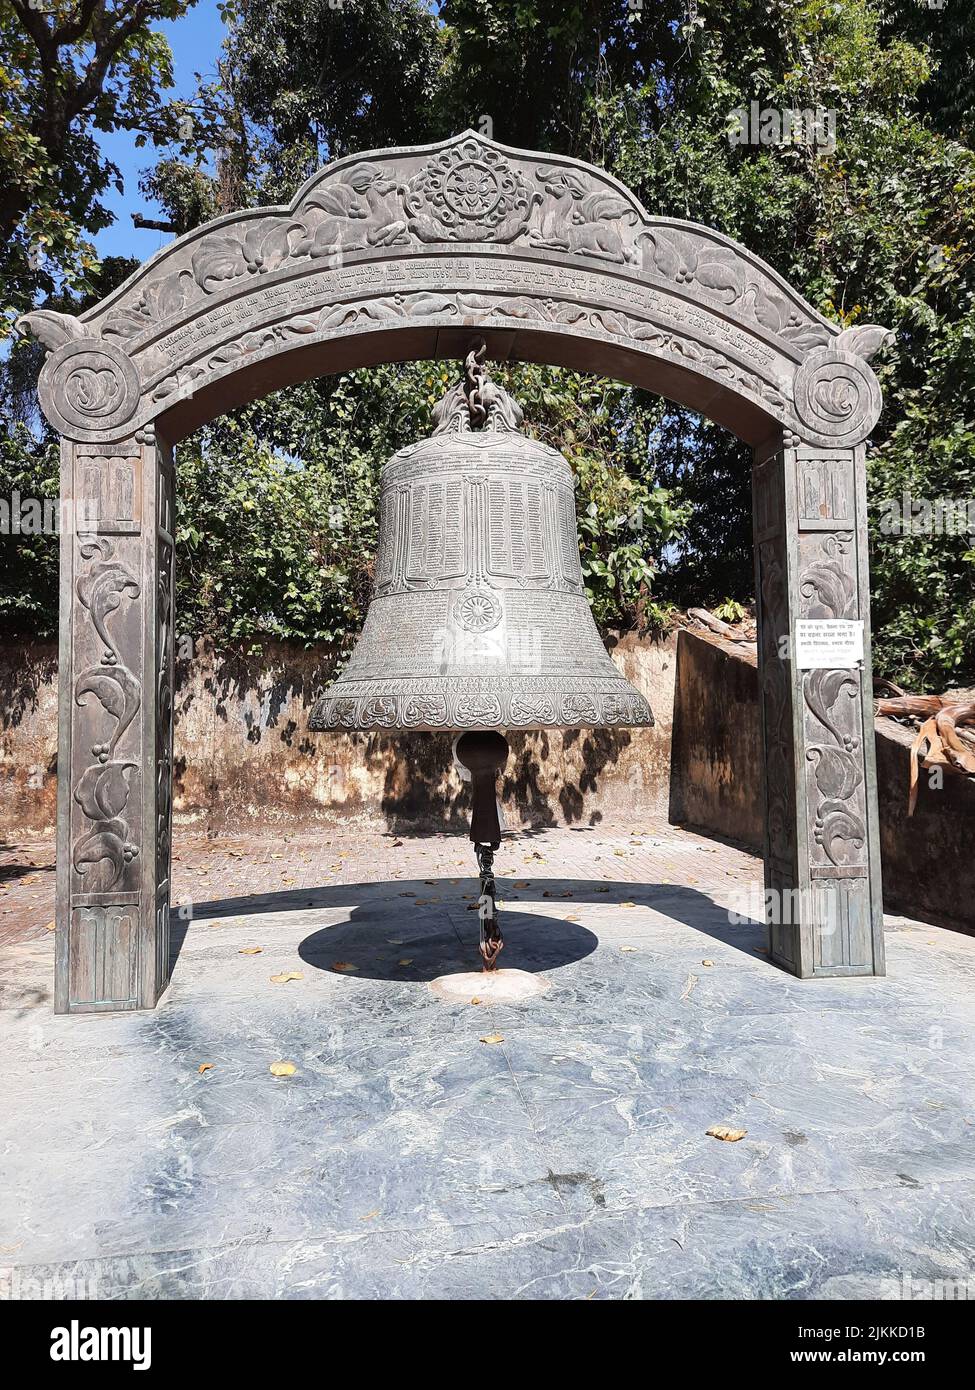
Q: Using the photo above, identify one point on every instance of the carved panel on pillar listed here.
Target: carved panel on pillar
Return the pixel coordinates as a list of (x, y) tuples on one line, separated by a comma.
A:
[(109, 608), (837, 718), (822, 862)]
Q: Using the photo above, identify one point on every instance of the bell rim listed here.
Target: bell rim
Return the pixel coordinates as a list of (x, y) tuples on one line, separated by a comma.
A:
[(350, 709)]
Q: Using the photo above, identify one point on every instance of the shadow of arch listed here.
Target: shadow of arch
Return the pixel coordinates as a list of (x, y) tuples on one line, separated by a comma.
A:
[(443, 936)]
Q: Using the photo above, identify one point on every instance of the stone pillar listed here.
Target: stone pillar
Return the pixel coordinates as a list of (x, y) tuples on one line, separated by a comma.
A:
[(822, 848), (115, 736)]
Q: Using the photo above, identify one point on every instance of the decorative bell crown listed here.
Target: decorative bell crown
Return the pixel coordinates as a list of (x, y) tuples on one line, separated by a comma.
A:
[(479, 618)]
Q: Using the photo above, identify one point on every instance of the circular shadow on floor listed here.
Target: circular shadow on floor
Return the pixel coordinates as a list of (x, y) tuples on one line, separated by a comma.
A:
[(420, 950)]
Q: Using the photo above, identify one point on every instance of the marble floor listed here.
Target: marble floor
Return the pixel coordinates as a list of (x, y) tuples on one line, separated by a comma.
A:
[(423, 1149)]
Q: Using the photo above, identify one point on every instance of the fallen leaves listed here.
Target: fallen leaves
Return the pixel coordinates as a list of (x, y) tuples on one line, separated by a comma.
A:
[(50, 926), (282, 1068), (628, 948), (708, 963), (285, 976), (250, 950), (726, 1133), (344, 967), (493, 1038), (205, 1066), (407, 960)]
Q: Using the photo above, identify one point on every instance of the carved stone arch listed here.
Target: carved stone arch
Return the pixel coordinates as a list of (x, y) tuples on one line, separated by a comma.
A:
[(399, 255)]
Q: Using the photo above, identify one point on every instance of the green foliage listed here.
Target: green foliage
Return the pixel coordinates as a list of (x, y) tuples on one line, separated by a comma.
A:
[(729, 610), (880, 229), (28, 562), (67, 72)]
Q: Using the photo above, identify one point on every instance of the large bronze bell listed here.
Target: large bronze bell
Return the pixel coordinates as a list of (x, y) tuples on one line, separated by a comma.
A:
[(479, 619)]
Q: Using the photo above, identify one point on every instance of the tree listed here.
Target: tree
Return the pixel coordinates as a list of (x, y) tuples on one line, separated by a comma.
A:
[(875, 225), (68, 70)]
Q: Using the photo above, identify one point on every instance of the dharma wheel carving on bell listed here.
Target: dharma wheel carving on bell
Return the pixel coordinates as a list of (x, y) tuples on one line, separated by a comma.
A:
[(479, 619)]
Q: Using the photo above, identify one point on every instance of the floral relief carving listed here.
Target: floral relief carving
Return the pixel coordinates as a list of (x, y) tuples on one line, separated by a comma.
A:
[(102, 791), (830, 589), (838, 825)]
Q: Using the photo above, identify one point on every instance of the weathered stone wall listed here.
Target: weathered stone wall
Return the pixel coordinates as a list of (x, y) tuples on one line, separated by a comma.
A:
[(242, 753), (928, 860)]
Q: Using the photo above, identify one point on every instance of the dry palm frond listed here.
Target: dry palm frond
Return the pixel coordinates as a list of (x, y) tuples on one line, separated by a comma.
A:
[(946, 737)]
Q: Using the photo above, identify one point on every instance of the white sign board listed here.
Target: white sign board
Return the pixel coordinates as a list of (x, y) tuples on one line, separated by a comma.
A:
[(834, 643)]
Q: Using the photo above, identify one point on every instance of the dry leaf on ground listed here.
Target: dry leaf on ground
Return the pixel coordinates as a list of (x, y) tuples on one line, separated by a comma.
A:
[(285, 976), (250, 950), (493, 1038), (282, 1068), (205, 1066), (344, 966), (725, 1132)]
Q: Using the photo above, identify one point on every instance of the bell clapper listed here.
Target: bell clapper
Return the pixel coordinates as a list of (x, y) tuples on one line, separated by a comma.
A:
[(484, 754), (492, 941)]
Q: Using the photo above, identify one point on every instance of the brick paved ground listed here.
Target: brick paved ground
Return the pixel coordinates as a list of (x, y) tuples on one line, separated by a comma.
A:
[(408, 1157)]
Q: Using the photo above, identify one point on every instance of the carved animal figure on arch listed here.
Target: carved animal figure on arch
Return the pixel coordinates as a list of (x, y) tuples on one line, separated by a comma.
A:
[(406, 254)]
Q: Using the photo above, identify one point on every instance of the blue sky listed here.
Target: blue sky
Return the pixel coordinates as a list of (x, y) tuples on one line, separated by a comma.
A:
[(195, 40)]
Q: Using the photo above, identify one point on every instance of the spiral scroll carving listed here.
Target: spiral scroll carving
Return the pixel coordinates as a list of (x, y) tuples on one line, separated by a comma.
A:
[(89, 386), (837, 397)]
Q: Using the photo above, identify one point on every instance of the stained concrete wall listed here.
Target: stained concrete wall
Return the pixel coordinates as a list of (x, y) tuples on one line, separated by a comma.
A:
[(928, 860), (243, 756), (716, 758)]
